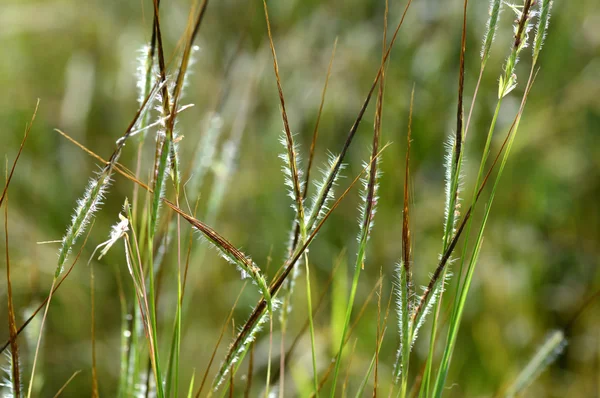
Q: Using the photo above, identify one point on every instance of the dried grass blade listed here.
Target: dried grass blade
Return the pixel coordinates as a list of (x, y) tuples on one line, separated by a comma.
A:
[(12, 170)]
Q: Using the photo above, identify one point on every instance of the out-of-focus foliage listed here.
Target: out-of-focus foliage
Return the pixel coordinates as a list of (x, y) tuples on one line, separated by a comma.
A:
[(540, 257)]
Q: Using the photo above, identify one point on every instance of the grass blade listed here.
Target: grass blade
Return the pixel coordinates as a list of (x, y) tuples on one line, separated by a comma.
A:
[(545, 355)]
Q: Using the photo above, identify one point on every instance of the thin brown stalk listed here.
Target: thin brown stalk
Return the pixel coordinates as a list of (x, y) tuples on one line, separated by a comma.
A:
[(214, 353), (291, 151), (473, 103), (163, 77), (580, 311), (522, 23), (461, 88), (12, 324), (66, 383), (119, 168), (406, 236), (12, 170)]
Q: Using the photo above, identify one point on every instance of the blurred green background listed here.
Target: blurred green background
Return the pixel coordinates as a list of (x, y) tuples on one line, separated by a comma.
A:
[(540, 257)]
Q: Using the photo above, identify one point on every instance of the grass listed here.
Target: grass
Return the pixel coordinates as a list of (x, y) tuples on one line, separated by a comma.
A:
[(164, 237)]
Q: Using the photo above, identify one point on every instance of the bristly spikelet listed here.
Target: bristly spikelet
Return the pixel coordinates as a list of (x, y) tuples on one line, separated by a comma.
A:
[(243, 347), (7, 385), (432, 299), (324, 192), (287, 171), (86, 207), (490, 30), (243, 263), (145, 77), (205, 153), (451, 169), (542, 27), (522, 26), (404, 309), (366, 220)]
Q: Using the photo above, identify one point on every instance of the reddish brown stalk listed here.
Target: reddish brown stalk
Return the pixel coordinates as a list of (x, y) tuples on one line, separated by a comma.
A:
[(12, 324), (372, 184), (522, 22), (286, 126), (214, 353), (12, 170), (461, 89), (406, 238), (165, 89), (67, 383)]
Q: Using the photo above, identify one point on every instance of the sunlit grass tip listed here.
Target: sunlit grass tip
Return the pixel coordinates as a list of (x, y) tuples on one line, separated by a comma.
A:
[(7, 384), (490, 29), (432, 299), (452, 197), (324, 190), (368, 204), (287, 169), (87, 205), (545, 355), (542, 27)]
